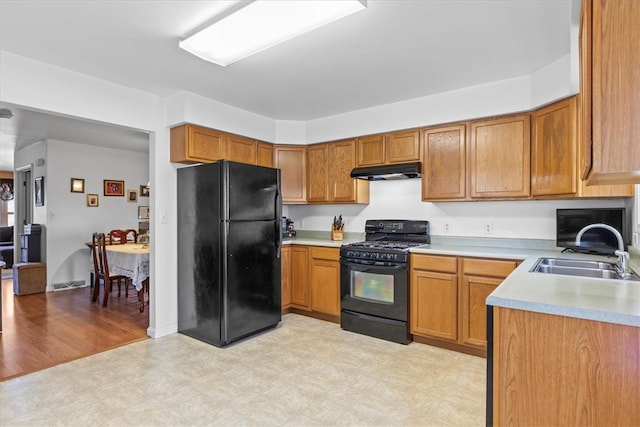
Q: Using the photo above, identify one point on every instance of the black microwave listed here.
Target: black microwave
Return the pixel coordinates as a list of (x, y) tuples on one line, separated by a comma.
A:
[(597, 240)]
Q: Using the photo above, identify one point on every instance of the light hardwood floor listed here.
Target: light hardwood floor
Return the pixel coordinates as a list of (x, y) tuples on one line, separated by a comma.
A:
[(47, 329)]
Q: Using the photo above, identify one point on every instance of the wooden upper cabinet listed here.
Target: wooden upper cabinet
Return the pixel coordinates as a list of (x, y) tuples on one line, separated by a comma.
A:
[(444, 163), (265, 154), (196, 144), (292, 162), (611, 47), (343, 160), (318, 173), (241, 149), (553, 149), (371, 150), (499, 157), (403, 147)]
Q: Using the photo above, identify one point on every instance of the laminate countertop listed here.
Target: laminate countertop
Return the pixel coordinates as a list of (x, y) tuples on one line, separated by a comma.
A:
[(606, 300)]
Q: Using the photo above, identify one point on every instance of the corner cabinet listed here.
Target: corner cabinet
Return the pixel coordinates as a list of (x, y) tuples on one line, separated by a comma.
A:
[(300, 295), (499, 157), (448, 299), (610, 91), (285, 278)]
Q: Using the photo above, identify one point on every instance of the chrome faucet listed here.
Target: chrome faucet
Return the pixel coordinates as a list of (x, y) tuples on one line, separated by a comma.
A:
[(623, 257)]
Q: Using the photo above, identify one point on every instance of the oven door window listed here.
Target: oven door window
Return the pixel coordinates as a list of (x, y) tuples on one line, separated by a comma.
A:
[(372, 287)]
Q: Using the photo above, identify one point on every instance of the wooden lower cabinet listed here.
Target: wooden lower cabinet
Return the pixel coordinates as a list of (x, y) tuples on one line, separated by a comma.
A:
[(300, 295), (325, 280), (285, 279), (448, 297), (551, 370)]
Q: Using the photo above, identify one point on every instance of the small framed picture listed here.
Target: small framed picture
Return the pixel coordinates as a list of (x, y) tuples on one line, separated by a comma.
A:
[(92, 200), (144, 191), (113, 187), (39, 190), (143, 212), (77, 185), (132, 196)]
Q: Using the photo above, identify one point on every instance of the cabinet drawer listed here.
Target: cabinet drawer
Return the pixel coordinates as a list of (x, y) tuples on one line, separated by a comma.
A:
[(434, 263), (325, 253), (488, 267)]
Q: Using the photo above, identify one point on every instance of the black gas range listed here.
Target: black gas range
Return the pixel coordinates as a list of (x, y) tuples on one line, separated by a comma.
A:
[(374, 278)]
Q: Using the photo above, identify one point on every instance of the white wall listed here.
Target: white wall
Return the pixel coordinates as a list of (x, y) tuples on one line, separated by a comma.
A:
[(401, 200), (70, 221)]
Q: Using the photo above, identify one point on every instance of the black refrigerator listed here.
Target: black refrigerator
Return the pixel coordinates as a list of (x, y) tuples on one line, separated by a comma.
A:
[(229, 243)]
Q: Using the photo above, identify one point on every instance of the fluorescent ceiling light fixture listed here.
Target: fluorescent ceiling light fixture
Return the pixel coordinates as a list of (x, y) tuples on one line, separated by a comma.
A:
[(262, 24)]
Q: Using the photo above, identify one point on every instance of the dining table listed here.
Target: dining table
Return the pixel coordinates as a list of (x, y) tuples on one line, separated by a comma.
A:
[(131, 260)]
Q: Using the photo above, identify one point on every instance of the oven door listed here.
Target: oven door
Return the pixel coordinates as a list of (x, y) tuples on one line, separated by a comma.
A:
[(374, 289)]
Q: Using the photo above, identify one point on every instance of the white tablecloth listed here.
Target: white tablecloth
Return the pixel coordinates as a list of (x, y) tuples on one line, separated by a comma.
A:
[(131, 260)]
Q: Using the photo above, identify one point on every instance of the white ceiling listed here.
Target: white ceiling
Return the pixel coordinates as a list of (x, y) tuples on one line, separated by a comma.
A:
[(393, 51)]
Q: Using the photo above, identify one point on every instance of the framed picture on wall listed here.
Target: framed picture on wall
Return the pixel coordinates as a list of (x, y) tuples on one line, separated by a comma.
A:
[(113, 187), (77, 185), (144, 191), (132, 196), (39, 190), (92, 200), (143, 212)]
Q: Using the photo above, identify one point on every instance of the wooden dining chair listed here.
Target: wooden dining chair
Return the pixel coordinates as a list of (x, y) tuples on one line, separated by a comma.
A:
[(101, 270)]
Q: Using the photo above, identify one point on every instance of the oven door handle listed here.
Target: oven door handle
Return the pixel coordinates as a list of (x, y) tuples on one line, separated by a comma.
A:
[(371, 264)]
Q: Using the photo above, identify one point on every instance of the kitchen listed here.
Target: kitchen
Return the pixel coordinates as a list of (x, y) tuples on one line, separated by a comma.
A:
[(387, 199)]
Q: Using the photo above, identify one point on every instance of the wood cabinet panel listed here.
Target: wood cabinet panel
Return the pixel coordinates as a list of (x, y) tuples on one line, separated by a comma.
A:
[(553, 149), (444, 163), (434, 304), (285, 281), (499, 153), (241, 149), (488, 267), (265, 154), (325, 280), (371, 150), (555, 370), (196, 144), (292, 162), (615, 91), (300, 294), (318, 173), (473, 319), (445, 264), (343, 160), (403, 147)]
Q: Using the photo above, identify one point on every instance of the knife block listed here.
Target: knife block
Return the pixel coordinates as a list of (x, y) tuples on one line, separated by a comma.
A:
[(337, 234)]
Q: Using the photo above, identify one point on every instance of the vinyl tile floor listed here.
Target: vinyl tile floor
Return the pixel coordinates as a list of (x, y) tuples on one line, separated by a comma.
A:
[(306, 372)]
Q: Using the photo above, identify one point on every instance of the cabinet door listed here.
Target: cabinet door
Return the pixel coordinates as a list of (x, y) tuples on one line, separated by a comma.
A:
[(292, 162), (615, 92), (553, 149), (241, 149), (318, 173), (195, 144), (371, 150), (499, 157), (403, 147), (265, 154), (300, 277), (444, 163), (475, 290), (325, 280), (342, 157), (434, 303), (285, 262)]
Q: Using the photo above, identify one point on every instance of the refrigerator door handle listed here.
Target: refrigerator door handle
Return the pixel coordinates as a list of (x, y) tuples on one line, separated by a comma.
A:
[(277, 223)]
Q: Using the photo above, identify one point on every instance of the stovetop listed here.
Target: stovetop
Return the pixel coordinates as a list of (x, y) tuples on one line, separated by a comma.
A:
[(387, 245)]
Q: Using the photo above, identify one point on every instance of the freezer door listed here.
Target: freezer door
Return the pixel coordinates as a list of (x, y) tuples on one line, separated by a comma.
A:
[(253, 192), (252, 290)]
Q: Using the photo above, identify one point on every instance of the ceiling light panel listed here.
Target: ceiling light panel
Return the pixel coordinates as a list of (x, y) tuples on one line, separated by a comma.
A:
[(262, 24)]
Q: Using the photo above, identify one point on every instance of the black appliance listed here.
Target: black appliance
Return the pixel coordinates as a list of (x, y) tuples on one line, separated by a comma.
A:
[(31, 243), (598, 240), (388, 172), (229, 244), (374, 279)]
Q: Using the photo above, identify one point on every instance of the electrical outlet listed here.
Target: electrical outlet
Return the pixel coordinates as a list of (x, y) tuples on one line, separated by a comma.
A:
[(447, 228), (488, 228)]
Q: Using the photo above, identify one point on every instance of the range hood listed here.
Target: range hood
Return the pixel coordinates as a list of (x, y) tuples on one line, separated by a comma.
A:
[(388, 172)]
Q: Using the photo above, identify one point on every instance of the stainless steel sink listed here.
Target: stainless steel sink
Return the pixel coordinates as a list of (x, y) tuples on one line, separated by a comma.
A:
[(581, 268)]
